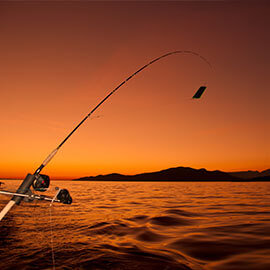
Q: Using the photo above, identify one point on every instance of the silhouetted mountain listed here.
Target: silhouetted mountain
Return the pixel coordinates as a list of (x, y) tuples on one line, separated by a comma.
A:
[(261, 178), (172, 174), (265, 173), (250, 174)]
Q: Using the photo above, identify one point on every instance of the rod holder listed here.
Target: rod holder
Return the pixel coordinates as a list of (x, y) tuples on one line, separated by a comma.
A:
[(24, 187)]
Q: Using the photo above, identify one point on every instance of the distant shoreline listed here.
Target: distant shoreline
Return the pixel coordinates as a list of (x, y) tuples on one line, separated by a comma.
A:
[(184, 174), (240, 180), (83, 180), (177, 174)]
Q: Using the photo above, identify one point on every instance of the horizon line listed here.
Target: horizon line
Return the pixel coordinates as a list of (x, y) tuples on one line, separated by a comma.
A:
[(77, 177)]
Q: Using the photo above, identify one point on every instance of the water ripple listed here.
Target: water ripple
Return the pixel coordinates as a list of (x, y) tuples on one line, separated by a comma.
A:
[(211, 226)]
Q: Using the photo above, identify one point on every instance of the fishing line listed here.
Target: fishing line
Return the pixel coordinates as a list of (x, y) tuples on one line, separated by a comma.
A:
[(52, 237), (40, 237), (51, 210), (51, 225)]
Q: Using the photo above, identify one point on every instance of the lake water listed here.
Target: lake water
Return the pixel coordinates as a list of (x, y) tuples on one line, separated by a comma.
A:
[(142, 225)]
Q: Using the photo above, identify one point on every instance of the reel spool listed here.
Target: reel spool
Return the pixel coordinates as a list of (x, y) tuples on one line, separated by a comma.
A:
[(64, 197), (41, 182)]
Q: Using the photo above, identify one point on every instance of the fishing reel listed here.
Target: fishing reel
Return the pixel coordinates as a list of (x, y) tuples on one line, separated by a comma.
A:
[(64, 197), (41, 182)]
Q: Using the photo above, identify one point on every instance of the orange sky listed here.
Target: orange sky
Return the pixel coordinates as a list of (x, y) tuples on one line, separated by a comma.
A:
[(59, 59)]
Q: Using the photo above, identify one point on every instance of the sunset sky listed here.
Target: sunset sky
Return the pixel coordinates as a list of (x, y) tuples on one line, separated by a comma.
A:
[(59, 59)]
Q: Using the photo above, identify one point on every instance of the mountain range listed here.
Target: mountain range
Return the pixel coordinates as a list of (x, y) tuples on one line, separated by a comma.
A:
[(250, 174), (184, 174)]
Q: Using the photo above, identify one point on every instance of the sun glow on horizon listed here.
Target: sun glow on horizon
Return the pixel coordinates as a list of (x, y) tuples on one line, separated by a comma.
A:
[(54, 71)]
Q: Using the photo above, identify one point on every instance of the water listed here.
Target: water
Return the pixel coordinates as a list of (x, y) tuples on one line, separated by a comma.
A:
[(124, 225)]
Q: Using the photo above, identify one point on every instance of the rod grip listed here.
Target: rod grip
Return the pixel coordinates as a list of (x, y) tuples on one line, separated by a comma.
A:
[(6, 209), (49, 157)]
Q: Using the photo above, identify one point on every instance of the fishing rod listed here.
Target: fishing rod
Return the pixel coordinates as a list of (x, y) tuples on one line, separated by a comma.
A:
[(40, 182)]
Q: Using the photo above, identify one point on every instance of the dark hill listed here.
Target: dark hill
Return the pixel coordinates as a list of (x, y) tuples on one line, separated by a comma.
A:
[(261, 179), (250, 174), (172, 174)]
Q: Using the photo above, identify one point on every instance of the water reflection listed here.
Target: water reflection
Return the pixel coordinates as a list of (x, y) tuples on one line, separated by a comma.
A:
[(142, 226)]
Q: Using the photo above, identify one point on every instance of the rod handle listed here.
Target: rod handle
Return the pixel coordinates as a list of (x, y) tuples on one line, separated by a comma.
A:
[(6, 209), (49, 157)]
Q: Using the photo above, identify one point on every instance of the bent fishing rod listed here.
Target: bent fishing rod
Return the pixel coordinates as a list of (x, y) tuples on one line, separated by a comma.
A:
[(40, 182)]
